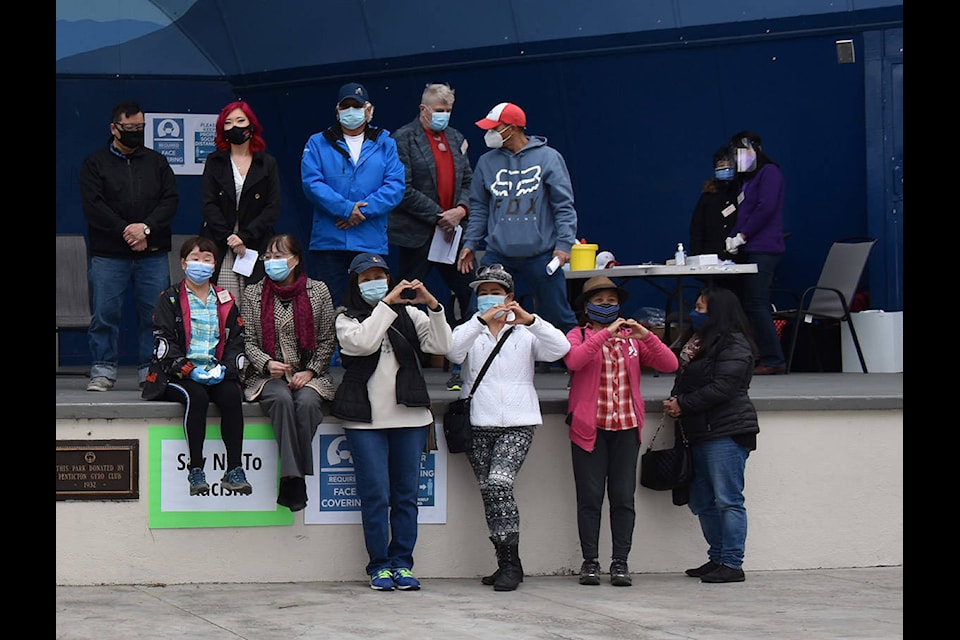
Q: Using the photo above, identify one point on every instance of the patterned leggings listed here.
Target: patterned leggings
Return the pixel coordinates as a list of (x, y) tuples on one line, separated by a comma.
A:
[(496, 458)]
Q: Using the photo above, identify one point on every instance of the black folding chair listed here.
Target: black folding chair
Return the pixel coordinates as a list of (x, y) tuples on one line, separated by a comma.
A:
[(830, 298)]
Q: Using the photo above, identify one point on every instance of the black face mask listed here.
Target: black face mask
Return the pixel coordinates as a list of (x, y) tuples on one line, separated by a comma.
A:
[(131, 139), (238, 135)]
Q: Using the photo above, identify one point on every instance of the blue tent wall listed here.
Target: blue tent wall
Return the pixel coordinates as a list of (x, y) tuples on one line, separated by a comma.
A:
[(637, 123)]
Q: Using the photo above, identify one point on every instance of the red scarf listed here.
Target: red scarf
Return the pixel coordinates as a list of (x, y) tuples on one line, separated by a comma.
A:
[(302, 314)]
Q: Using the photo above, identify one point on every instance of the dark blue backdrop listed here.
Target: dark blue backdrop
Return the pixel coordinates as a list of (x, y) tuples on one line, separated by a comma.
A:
[(636, 123)]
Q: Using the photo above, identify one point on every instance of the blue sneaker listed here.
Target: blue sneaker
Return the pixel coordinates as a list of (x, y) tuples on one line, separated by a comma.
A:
[(198, 482), (236, 480), (404, 580), (382, 580)]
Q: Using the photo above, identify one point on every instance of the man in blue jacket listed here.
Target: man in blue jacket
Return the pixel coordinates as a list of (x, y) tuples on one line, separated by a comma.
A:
[(521, 202), (353, 177)]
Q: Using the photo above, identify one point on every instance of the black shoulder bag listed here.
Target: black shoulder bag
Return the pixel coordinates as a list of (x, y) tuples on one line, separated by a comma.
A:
[(667, 469), (457, 429)]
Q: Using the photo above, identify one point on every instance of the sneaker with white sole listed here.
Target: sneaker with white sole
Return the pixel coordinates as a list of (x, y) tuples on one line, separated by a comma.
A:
[(100, 383), (382, 580), (198, 482), (404, 580), (236, 480)]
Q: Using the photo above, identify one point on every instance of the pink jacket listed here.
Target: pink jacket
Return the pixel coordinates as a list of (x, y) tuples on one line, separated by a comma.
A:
[(584, 363)]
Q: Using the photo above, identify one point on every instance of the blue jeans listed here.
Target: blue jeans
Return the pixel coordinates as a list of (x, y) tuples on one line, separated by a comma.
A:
[(332, 267), (549, 292), (756, 304), (109, 279), (716, 497), (387, 465)]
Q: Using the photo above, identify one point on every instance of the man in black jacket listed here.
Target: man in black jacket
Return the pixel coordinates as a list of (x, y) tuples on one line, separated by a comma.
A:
[(129, 195)]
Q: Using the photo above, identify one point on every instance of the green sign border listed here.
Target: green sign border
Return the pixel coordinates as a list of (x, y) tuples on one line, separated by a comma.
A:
[(159, 519)]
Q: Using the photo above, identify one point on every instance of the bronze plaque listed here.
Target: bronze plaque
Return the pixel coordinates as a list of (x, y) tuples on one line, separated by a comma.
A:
[(97, 469)]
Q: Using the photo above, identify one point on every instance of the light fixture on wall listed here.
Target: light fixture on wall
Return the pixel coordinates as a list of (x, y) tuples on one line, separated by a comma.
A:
[(845, 54)]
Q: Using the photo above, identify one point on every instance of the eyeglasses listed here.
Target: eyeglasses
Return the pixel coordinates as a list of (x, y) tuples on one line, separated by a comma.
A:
[(126, 126), (276, 256)]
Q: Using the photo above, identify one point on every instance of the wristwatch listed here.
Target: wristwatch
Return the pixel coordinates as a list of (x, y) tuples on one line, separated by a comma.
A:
[(146, 230)]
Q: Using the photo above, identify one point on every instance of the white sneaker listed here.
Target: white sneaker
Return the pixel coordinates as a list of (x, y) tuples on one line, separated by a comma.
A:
[(100, 383)]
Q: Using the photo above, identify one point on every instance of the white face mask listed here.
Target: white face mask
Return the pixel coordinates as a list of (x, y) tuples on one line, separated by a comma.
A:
[(493, 139)]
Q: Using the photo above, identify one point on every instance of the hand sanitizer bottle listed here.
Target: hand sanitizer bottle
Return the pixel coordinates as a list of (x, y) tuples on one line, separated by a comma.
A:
[(680, 258)]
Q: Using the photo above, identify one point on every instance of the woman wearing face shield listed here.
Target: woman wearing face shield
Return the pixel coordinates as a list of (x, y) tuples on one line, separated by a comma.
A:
[(715, 215), (757, 237)]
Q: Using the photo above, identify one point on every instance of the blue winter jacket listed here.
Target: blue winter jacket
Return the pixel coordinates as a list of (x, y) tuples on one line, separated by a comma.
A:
[(333, 184)]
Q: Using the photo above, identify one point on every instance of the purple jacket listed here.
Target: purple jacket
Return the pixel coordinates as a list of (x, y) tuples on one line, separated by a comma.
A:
[(584, 360), (760, 213)]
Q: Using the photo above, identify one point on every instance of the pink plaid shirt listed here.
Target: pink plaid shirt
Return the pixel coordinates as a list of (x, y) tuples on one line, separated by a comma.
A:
[(615, 399)]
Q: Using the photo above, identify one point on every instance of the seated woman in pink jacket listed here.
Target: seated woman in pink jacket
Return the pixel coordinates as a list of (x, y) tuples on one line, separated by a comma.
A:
[(605, 417)]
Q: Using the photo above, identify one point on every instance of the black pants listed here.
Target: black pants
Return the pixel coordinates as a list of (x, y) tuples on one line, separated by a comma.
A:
[(197, 397), (610, 467)]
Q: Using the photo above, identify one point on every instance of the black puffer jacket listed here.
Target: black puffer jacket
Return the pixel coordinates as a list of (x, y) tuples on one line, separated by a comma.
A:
[(712, 390)]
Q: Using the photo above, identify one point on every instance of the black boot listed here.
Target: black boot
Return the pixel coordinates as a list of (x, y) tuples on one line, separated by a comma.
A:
[(492, 578), (511, 572)]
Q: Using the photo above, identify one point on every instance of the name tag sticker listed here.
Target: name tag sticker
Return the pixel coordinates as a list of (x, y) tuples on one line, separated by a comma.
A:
[(740, 198), (730, 209), (224, 296)]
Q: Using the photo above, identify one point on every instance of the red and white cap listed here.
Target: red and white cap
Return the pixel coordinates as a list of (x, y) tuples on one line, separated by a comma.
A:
[(504, 113), (605, 260)]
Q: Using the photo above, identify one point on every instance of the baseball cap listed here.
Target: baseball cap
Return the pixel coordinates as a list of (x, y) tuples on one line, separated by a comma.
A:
[(504, 113), (363, 261), (353, 90), (605, 260), (493, 273)]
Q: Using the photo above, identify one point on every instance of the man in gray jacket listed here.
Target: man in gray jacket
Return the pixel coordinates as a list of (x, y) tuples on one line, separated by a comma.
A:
[(438, 177), (521, 204)]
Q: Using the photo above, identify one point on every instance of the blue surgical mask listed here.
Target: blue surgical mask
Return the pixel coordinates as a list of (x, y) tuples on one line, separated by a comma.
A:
[(351, 117), (603, 313), (277, 269), (697, 319), (724, 174), (199, 272), (439, 120), (485, 303), (373, 290)]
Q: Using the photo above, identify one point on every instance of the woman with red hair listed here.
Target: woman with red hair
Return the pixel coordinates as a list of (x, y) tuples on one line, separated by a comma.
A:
[(239, 194)]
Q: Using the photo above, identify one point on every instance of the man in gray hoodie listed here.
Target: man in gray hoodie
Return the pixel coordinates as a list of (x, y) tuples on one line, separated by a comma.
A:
[(521, 203)]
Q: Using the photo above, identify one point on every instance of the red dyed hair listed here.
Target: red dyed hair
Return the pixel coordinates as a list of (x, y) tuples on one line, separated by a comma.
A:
[(256, 141)]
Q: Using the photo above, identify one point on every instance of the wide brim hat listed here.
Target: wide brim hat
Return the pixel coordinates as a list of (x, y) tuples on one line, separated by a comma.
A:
[(599, 283)]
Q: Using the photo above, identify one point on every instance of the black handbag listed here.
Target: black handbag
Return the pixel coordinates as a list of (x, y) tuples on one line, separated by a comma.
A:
[(667, 469), (457, 430)]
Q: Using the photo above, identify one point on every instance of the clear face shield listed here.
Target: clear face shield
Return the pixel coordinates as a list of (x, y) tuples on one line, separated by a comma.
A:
[(746, 156)]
